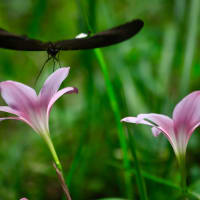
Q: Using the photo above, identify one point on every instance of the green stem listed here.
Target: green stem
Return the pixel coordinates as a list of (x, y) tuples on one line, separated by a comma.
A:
[(183, 184), (52, 150), (139, 178), (116, 111), (57, 166)]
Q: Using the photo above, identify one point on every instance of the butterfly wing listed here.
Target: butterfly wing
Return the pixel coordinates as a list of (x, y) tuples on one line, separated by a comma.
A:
[(106, 38), (102, 39), (17, 42)]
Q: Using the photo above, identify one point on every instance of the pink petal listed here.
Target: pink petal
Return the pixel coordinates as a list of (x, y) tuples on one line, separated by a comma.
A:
[(19, 116), (186, 115), (5, 118), (162, 121), (156, 131), (9, 110), (53, 83), (68, 90), (135, 120), (17, 95), (159, 123)]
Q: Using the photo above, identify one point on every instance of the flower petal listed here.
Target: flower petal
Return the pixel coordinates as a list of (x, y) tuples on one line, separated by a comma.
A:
[(18, 96), (135, 120), (68, 90), (52, 84), (156, 131), (17, 118), (162, 121), (159, 123), (9, 110), (39, 123), (5, 118), (186, 115)]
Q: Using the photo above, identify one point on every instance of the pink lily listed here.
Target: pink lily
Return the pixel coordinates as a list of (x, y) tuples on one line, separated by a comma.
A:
[(186, 118), (34, 109)]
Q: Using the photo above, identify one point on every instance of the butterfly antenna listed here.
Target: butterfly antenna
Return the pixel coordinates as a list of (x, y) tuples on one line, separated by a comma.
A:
[(47, 60)]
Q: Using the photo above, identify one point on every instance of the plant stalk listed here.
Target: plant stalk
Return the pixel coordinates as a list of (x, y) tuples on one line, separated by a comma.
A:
[(139, 178), (116, 111), (57, 165), (182, 166)]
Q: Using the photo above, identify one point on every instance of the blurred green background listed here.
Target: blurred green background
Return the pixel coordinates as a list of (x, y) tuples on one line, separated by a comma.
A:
[(150, 73)]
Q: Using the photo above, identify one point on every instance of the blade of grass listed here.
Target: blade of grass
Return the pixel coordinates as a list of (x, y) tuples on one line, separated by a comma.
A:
[(139, 178), (166, 183), (116, 112), (159, 180), (190, 44), (115, 108), (150, 177)]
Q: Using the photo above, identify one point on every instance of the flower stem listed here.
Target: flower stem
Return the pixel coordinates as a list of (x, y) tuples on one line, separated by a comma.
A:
[(183, 184), (62, 182), (57, 165), (52, 150)]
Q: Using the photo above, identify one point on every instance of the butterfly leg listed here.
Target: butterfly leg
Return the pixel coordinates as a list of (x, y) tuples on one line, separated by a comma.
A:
[(54, 64), (58, 61), (47, 60)]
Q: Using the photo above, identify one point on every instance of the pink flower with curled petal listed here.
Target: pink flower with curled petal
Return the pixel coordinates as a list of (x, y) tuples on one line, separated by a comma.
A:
[(34, 109), (186, 118), (31, 108)]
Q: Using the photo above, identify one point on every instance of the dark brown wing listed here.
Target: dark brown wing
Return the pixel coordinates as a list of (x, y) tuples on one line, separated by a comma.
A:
[(102, 39), (16, 42)]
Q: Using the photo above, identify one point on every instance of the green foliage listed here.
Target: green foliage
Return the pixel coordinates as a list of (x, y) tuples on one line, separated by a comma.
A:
[(149, 73)]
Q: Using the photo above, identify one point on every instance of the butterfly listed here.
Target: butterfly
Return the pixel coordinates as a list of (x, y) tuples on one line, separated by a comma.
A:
[(102, 39), (81, 42)]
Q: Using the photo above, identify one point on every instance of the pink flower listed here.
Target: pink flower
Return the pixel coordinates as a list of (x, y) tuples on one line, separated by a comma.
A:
[(31, 108), (186, 118)]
